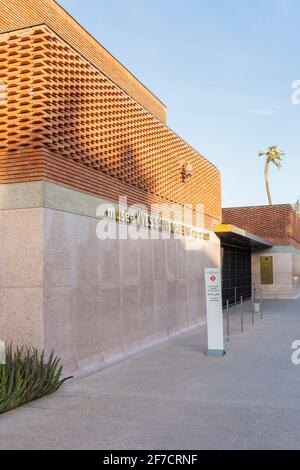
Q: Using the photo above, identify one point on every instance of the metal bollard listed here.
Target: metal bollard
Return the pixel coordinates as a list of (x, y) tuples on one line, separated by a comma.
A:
[(261, 309), (253, 296), (235, 298), (253, 317), (227, 318), (242, 316)]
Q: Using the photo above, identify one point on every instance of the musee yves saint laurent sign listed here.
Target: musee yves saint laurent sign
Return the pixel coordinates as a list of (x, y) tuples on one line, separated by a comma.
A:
[(153, 222)]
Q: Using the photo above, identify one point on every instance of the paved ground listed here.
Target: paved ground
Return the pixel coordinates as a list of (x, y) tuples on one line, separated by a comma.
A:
[(174, 397)]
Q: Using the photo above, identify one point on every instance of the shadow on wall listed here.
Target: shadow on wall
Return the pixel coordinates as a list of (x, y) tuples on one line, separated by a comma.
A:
[(104, 299)]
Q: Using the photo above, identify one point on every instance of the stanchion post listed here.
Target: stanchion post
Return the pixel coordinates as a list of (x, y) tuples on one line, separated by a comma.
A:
[(227, 318), (261, 308), (235, 298), (242, 316), (253, 297)]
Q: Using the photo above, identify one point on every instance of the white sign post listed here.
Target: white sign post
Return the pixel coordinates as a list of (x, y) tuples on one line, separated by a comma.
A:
[(2, 353), (215, 329)]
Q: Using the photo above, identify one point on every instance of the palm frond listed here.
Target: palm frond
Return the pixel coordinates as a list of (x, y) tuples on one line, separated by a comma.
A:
[(273, 155)]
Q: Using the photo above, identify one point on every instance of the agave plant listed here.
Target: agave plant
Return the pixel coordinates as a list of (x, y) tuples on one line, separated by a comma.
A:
[(26, 376)]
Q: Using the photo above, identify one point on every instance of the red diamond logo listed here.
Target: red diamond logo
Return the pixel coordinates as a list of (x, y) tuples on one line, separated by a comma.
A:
[(213, 278)]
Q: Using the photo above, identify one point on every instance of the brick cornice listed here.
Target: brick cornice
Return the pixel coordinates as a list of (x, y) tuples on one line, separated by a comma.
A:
[(278, 223)]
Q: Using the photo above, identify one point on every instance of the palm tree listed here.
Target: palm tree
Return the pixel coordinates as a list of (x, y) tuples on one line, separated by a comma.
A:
[(296, 207), (272, 155)]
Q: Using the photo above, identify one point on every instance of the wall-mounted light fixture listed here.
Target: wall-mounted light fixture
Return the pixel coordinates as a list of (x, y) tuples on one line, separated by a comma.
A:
[(186, 171)]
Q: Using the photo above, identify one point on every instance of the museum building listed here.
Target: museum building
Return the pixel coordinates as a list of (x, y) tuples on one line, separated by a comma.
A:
[(78, 131), (260, 249)]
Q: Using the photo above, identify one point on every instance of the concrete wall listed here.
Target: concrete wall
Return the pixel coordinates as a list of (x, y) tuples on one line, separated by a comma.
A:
[(93, 301), (286, 262), (102, 299), (21, 276)]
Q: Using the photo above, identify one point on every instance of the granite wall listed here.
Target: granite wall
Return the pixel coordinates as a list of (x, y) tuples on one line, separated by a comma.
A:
[(286, 268), (93, 301)]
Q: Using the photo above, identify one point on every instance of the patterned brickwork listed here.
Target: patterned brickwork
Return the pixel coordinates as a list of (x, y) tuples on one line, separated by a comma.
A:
[(278, 223), (65, 121), (17, 14)]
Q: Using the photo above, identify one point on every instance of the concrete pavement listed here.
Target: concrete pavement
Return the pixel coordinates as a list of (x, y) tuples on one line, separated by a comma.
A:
[(173, 397)]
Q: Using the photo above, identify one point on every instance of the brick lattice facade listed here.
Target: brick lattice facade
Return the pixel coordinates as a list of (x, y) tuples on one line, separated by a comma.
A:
[(278, 223), (65, 121), (17, 14)]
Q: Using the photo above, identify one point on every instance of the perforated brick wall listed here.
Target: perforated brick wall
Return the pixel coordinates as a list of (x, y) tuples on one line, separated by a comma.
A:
[(278, 223), (17, 14), (65, 121)]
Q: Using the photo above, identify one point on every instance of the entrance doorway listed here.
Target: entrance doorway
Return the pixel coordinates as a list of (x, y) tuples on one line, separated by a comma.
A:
[(236, 273)]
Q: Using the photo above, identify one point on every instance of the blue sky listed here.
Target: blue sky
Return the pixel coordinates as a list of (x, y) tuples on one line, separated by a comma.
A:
[(224, 69)]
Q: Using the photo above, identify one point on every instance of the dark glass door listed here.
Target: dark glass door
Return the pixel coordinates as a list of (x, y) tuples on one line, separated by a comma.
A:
[(236, 273)]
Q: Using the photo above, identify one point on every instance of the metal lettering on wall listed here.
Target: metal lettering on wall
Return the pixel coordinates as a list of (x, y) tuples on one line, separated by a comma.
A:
[(155, 223), (266, 270)]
